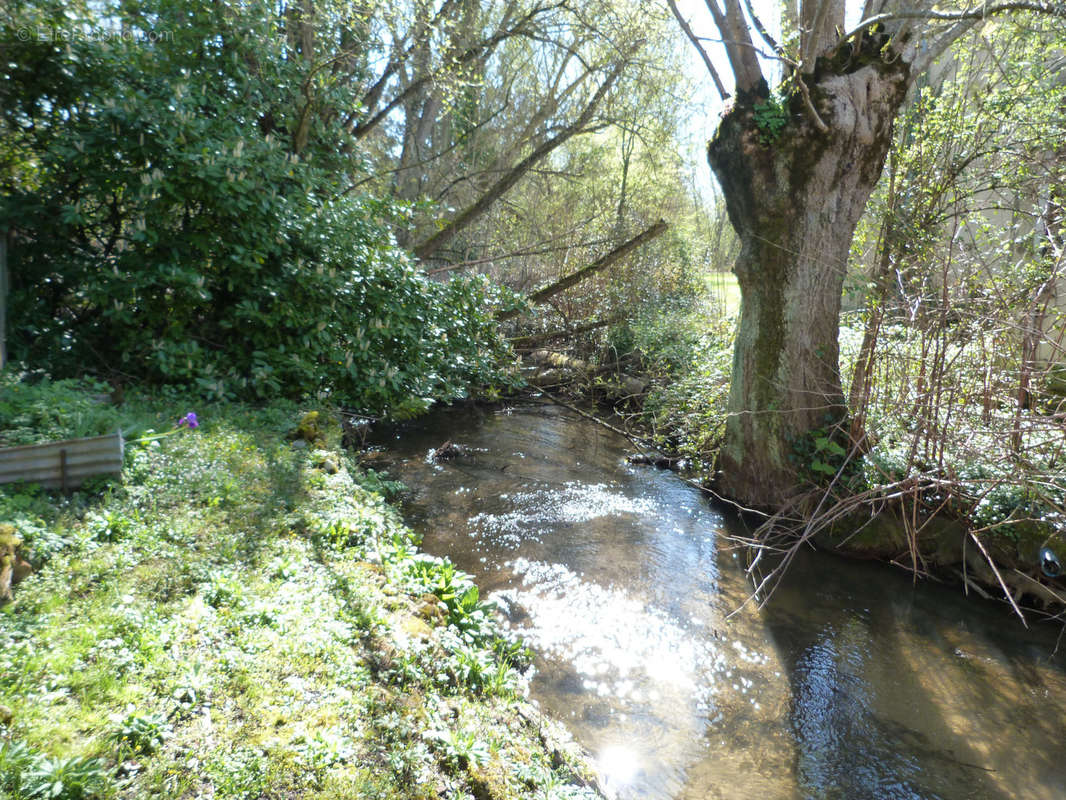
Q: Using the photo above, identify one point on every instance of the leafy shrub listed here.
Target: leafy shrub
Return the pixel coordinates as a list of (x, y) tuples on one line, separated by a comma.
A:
[(690, 355), (199, 247)]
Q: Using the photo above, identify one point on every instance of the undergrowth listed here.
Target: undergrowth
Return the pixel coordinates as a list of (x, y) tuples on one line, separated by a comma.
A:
[(243, 615)]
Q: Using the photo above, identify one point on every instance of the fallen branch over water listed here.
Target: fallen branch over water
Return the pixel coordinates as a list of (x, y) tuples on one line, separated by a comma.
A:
[(595, 267)]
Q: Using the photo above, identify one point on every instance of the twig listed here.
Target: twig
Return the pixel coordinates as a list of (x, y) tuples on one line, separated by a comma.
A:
[(969, 584), (999, 578), (637, 443)]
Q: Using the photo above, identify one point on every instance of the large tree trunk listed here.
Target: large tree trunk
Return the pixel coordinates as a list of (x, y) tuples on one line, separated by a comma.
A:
[(794, 202)]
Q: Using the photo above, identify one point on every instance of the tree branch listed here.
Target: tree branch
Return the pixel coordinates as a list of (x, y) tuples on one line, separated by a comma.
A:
[(473, 52), (699, 49), (763, 32), (975, 13), (738, 45), (598, 265), (445, 234), (940, 44)]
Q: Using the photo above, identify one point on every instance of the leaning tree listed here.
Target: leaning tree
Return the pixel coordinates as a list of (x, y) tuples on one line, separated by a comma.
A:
[(797, 167)]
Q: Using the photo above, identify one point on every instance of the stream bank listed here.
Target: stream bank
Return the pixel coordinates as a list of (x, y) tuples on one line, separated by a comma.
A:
[(243, 615), (927, 523)]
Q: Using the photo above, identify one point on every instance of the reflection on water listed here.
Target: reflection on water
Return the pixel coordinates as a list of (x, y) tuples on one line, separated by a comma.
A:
[(852, 683)]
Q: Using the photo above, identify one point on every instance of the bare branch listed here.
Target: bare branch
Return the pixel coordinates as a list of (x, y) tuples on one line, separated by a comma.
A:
[(757, 50), (699, 48), (596, 266), (520, 28), (942, 42), (812, 112), (763, 32), (581, 125), (1002, 584), (975, 13)]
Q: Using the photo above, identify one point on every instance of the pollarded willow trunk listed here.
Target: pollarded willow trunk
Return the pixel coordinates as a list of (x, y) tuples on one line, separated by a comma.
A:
[(795, 202)]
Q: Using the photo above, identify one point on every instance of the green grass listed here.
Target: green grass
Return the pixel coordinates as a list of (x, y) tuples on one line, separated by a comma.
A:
[(723, 288), (240, 617)]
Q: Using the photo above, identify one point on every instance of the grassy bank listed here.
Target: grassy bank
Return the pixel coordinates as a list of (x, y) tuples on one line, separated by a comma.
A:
[(243, 615)]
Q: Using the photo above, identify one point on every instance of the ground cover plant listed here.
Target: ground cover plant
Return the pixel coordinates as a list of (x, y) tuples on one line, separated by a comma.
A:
[(240, 616)]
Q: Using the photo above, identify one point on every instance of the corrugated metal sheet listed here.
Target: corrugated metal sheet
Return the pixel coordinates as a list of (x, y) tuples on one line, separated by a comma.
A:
[(62, 465)]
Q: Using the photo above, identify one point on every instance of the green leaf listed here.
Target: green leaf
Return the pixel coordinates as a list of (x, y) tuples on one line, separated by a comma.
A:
[(821, 466), (836, 449)]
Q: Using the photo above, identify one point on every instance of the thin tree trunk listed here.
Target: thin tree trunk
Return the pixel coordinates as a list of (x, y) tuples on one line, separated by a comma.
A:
[(862, 379)]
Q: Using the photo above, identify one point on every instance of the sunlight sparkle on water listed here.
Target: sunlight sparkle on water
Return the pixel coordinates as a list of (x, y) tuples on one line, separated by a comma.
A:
[(618, 766), (571, 504), (620, 646)]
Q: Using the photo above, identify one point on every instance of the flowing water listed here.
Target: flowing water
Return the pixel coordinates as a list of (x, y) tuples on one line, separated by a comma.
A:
[(851, 683)]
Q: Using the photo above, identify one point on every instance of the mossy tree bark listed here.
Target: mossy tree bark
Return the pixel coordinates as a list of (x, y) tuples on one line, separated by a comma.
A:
[(794, 200), (795, 195)]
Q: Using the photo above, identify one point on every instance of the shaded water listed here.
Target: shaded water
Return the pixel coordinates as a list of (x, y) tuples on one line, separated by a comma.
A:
[(851, 683)]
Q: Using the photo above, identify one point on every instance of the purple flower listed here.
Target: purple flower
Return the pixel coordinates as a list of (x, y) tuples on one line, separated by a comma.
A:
[(190, 420)]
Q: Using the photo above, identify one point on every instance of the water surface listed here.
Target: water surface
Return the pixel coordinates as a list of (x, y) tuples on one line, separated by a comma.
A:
[(851, 683)]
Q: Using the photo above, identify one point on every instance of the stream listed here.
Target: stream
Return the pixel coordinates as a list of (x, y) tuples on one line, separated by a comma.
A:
[(851, 682)]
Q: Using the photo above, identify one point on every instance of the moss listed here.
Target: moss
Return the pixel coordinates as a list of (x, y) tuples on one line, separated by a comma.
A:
[(10, 541), (883, 537), (318, 430), (489, 781)]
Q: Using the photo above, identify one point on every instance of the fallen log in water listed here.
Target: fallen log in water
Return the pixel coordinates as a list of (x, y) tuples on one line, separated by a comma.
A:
[(557, 369), (674, 463)]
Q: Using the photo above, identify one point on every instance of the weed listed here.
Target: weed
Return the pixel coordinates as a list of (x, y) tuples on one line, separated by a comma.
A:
[(16, 758), (771, 116), (108, 526), (377, 482), (141, 734), (224, 590), (73, 778), (460, 750)]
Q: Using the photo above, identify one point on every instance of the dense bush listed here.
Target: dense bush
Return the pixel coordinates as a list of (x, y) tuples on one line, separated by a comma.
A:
[(182, 209)]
